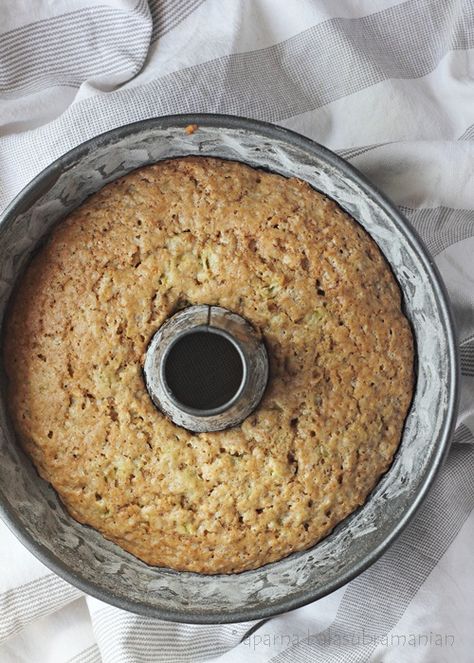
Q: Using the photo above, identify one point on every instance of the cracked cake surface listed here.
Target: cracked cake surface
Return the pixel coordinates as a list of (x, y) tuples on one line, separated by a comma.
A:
[(199, 230)]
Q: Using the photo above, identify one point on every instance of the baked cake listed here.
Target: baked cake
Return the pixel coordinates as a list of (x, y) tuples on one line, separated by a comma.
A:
[(191, 231)]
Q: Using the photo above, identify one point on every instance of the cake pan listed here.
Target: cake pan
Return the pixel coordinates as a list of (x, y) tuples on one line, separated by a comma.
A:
[(81, 555)]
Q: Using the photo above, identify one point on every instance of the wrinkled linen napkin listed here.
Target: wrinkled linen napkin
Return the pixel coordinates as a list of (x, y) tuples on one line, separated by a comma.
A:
[(388, 85)]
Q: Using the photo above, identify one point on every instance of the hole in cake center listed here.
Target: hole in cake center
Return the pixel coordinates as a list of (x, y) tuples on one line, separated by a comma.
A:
[(204, 370)]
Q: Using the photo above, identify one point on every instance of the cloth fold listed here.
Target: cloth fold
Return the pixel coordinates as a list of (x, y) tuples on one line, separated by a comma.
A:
[(387, 84)]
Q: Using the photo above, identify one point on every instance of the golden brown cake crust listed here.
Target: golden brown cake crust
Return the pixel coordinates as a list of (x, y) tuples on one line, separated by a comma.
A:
[(207, 231)]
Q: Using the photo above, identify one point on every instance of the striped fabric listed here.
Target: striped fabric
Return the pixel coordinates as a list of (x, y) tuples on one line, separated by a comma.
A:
[(388, 84)]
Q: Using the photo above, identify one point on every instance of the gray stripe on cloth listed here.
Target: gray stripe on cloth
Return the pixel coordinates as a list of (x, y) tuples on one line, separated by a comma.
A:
[(468, 134), (26, 594), (399, 574), (27, 67), (65, 80), (89, 655), (466, 356), (167, 14), (24, 604), (353, 152), (463, 435), (146, 639), (62, 27), (68, 49), (53, 26), (321, 64), (441, 227)]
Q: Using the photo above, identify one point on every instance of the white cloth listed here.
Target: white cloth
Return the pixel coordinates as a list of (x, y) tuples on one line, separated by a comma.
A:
[(390, 86)]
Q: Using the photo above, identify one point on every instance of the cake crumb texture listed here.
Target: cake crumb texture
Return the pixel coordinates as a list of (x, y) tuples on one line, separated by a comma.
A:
[(192, 231)]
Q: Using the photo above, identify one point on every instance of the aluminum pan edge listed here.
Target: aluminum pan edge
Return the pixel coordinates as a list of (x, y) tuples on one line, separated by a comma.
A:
[(290, 583)]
